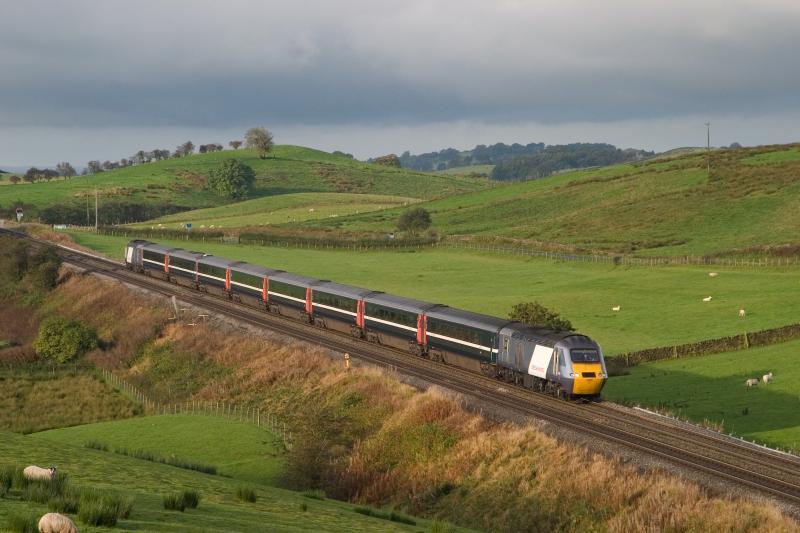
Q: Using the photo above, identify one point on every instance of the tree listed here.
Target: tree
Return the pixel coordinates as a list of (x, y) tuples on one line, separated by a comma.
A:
[(235, 144), (232, 179), (62, 340), (261, 140), (390, 160), (414, 220), (184, 149), (14, 179), (66, 170), (31, 175), (535, 314), (94, 167)]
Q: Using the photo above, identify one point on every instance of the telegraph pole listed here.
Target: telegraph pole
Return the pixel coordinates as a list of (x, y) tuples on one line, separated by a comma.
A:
[(708, 149), (95, 210)]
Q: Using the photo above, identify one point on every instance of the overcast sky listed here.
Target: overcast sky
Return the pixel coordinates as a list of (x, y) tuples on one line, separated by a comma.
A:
[(101, 79)]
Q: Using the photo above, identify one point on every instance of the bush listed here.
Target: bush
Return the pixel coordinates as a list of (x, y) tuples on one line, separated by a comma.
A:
[(535, 314), (192, 498), (414, 220), (22, 523), (174, 502), (246, 494), (62, 340), (232, 179), (102, 508)]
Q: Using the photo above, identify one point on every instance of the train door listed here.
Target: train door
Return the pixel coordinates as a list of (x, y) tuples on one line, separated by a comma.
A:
[(504, 342)]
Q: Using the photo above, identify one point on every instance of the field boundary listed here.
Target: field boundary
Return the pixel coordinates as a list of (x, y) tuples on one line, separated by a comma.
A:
[(764, 337)]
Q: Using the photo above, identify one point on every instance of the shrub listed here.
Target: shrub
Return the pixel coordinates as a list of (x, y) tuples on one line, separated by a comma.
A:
[(174, 502), (192, 498), (102, 508), (246, 494), (232, 179), (535, 314), (414, 220), (22, 523), (61, 340)]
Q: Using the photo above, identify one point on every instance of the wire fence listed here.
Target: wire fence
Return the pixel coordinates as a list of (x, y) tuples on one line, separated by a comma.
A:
[(261, 418)]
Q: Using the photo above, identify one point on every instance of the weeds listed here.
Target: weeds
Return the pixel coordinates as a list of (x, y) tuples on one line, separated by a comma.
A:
[(392, 516), (174, 502), (152, 457), (103, 508), (246, 494), (314, 494), (18, 523)]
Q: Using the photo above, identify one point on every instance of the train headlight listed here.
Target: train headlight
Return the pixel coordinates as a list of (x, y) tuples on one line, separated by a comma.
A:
[(577, 374)]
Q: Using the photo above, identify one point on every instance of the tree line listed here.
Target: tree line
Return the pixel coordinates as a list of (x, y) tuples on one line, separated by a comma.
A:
[(480, 155)]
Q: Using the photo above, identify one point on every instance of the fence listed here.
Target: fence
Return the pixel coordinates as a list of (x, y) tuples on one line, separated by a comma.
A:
[(722, 344), (260, 418)]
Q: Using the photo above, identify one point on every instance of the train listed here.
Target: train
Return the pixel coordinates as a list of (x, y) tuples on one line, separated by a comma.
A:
[(563, 363)]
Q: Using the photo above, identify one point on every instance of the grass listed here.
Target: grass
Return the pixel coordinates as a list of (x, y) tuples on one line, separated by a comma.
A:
[(280, 209), (467, 170), (38, 400), (236, 449), (662, 207), (659, 306), (711, 388), (291, 169), (145, 483)]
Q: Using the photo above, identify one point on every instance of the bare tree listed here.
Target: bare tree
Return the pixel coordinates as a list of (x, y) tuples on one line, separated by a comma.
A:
[(65, 169), (94, 167), (235, 144), (260, 139)]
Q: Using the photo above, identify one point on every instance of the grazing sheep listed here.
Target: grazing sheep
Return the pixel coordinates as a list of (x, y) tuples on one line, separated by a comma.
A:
[(741, 313), (752, 382), (707, 299), (56, 523), (37, 472), (712, 274), (767, 377), (615, 308)]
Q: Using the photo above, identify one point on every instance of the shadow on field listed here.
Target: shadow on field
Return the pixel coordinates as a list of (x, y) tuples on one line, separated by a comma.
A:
[(722, 400)]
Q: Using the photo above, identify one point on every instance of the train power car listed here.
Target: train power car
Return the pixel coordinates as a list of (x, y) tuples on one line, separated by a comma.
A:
[(563, 363)]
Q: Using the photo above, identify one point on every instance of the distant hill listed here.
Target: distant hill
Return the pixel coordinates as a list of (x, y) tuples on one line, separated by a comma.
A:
[(659, 207), (480, 155), (151, 190)]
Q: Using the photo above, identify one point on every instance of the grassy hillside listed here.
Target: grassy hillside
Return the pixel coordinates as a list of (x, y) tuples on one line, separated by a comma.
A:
[(660, 306), (280, 210), (147, 482), (291, 169), (712, 388), (236, 449), (663, 207)]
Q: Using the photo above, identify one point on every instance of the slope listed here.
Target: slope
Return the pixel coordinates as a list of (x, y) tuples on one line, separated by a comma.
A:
[(667, 207)]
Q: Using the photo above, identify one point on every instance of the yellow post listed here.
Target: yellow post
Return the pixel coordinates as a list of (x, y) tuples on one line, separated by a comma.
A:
[(347, 361)]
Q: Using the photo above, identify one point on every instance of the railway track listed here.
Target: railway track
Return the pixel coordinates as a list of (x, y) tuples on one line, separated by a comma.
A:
[(717, 455)]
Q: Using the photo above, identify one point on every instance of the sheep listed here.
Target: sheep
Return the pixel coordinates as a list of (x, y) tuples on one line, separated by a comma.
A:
[(767, 377), (712, 274), (615, 308), (752, 382), (56, 523), (741, 313), (36, 472), (707, 299)]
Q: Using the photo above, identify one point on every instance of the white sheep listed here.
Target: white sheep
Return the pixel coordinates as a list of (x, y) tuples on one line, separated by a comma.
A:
[(615, 308), (752, 382), (56, 523), (712, 274), (37, 472), (767, 377), (707, 299), (742, 313)]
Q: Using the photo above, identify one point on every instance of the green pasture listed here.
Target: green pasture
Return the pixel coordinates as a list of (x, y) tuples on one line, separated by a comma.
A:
[(291, 169), (219, 510), (661, 207), (712, 388), (238, 449), (659, 306), (280, 209)]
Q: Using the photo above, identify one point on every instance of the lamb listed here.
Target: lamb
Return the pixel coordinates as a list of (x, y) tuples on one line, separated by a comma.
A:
[(707, 299), (615, 308), (741, 313), (712, 274), (37, 472), (752, 382), (56, 523), (767, 377)]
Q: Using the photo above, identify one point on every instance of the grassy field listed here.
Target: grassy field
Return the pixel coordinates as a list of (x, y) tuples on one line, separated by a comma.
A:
[(291, 169), (38, 400), (280, 210), (238, 450), (662, 207), (712, 388), (659, 306), (471, 169), (219, 510)]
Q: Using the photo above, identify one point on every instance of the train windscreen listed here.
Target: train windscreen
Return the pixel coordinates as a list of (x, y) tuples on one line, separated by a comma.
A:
[(584, 356)]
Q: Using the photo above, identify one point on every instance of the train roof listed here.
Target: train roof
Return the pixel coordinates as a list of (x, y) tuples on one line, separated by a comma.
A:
[(295, 279), (544, 336), (254, 270), (468, 318), (342, 290), (138, 242), (215, 261), (185, 254), (153, 247), (399, 302)]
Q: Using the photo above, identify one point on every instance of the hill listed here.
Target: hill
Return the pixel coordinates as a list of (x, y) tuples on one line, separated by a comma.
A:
[(154, 189), (666, 207)]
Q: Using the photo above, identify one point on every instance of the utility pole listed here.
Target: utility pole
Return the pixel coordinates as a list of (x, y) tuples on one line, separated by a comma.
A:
[(708, 149), (88, 222), (95, 210)]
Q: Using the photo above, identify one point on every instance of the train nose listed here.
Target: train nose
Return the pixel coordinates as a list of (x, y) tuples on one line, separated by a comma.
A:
[(588, 379)]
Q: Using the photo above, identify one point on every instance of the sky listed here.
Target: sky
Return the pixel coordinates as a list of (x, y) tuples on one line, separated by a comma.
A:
[(101, 79)]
